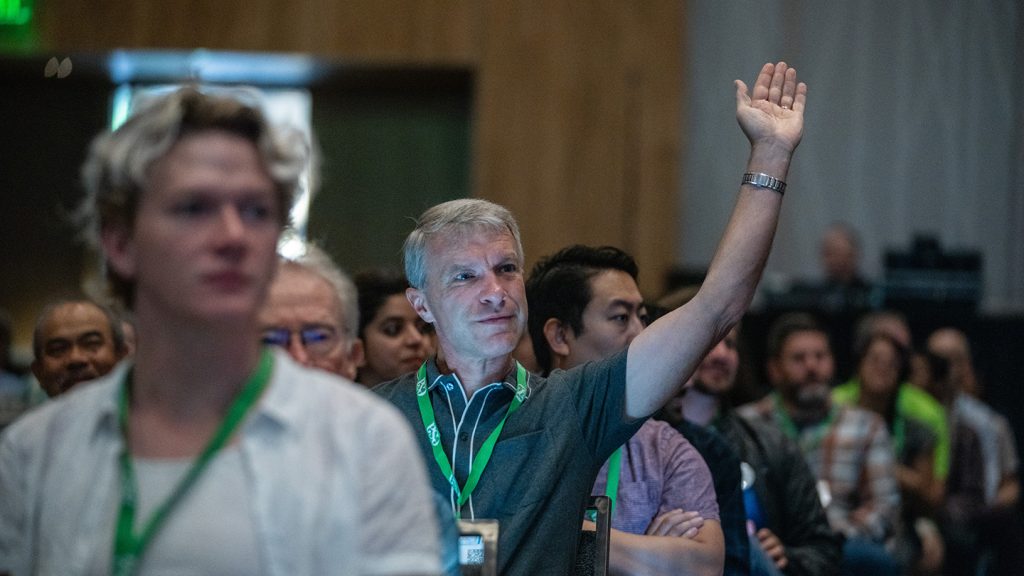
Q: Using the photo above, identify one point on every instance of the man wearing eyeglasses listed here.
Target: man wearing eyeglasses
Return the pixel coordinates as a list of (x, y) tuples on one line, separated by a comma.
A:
[(312, 311)]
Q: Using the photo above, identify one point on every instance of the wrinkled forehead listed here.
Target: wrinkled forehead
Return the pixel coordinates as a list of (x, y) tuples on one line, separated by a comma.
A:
[(72, 318), (456, 240)]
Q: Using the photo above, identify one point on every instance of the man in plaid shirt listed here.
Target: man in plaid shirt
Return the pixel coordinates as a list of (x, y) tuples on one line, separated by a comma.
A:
[(847, 448)]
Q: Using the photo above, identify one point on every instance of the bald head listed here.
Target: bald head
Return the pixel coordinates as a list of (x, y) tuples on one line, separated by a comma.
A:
[(840, 253)]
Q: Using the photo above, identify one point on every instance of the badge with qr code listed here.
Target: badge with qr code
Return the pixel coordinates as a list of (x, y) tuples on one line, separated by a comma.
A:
[(471, 549)]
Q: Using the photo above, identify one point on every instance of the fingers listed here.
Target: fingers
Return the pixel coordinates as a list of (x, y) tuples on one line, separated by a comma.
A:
[(742, 98), (763, 82), (801, 97), (773, 547), (788, 89), (777, 82)]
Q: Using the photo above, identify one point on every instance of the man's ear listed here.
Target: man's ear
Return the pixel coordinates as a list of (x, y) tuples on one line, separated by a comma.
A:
[(418, 300), (119, 250), (357, 356), (556, 334)]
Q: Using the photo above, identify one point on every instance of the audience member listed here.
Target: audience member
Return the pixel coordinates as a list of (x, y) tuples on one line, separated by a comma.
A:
[(312, 311), (841, 288), (209, 454), (585, 306), (995, 518), (789, 524), (74, 341), (397, 341), (464, 261), (910, 402), (882, 366), (847, 448)]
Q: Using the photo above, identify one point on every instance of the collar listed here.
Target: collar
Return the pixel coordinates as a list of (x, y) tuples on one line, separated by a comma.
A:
[(450, 380)]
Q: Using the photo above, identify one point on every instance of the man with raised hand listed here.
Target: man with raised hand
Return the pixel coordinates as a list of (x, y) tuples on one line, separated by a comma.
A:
[(525, 450)]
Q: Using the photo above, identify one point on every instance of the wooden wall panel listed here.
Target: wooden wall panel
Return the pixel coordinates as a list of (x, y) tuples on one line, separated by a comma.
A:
[(577, 112), (419, 31), (578, 124)]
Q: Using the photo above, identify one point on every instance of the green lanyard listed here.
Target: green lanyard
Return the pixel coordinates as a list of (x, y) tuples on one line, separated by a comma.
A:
[(484, 455), (789, 427), (130, 546), (611, 488)]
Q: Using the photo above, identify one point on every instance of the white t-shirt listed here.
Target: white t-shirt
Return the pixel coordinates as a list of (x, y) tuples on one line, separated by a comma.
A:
[(330, 479)]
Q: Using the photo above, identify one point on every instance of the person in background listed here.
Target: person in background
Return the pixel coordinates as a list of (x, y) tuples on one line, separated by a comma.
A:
[(910, 402), (75, 340), (209, 453), (882, 367), (847, 448), (312, 312), (985, 526), (395, 339), (789, 526)]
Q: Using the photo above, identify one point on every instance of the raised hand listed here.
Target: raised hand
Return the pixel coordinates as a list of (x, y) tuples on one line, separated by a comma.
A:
[(774, 113)]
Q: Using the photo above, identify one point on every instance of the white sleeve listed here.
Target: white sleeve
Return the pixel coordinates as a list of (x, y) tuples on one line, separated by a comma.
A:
[(399, 532), (14, 533)]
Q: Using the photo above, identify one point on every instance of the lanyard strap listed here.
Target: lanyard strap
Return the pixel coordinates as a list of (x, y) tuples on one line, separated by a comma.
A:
[(611, 489), (484, 455), (129, 546)]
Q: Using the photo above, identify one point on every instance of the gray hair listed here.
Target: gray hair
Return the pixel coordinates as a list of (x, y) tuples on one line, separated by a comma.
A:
[(456, 217), (318, 262), (115, 171)]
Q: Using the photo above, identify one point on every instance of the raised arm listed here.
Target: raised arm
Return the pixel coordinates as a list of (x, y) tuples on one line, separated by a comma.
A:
[(663, 356)]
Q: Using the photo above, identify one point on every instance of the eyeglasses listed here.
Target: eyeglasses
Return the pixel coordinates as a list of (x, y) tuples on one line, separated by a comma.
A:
[(317, 340)]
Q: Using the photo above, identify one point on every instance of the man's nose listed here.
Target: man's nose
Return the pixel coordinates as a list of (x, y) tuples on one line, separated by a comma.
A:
[(493, 290), (297, 350), (77, 357)]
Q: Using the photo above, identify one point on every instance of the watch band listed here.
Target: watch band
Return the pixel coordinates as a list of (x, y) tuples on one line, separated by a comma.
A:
[(762, 180)]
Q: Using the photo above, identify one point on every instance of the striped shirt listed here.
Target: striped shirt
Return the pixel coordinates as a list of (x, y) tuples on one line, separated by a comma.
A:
[(851, 454)]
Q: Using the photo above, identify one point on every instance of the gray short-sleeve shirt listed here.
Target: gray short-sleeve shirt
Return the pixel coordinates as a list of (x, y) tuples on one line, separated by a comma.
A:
[(545, 461)]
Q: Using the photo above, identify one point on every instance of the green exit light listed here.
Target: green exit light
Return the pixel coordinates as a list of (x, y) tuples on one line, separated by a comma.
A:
[(15, 12)]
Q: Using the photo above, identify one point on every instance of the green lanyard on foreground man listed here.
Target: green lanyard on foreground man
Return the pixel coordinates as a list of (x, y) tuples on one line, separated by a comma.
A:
[(476, 469), (129, 546)]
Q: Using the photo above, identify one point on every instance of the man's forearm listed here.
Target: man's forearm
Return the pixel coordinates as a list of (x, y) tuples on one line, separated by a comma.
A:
[(667, 351), (632, 554)]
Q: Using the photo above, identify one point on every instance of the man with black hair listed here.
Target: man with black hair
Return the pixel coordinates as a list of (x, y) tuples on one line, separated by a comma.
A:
[(586, 306)]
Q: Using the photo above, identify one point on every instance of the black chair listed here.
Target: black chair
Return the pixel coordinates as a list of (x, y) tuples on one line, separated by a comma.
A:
[(592, 549)]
